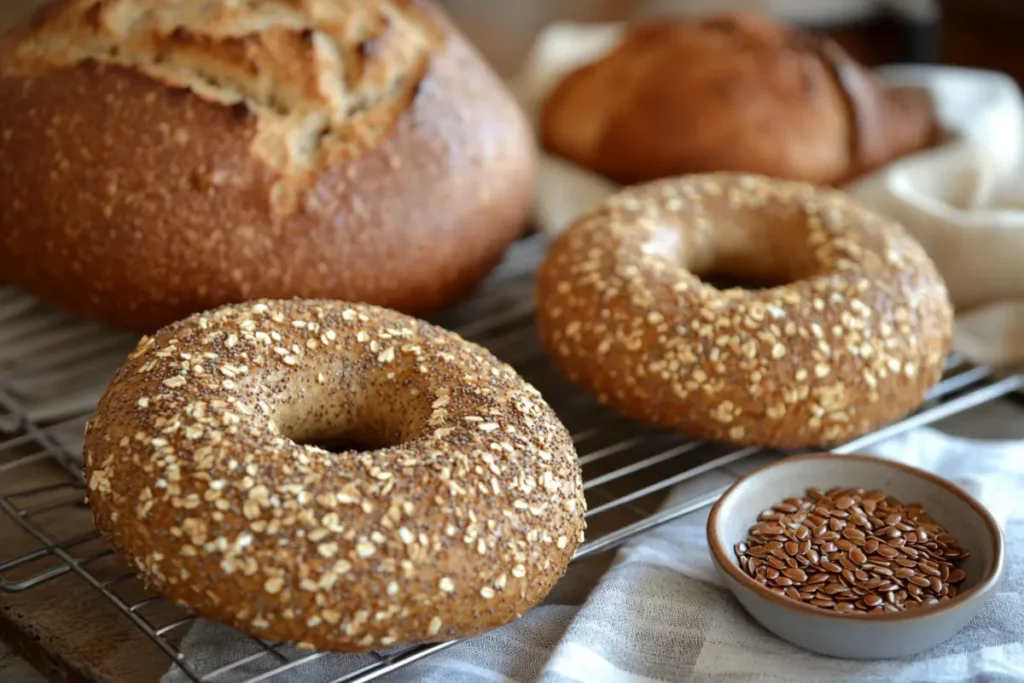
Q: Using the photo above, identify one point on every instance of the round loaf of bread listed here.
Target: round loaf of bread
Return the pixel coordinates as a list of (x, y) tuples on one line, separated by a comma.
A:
[(848, 325), (161, 158), (734, 92), (206, 469)]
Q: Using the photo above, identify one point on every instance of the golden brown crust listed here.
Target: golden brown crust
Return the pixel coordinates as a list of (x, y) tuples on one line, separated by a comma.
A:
[(371, 156), (851, 344), (735, 92), (196, 474)]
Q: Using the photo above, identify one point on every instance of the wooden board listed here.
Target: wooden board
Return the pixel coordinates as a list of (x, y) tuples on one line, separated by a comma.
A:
[(64, 627), (70, 632)]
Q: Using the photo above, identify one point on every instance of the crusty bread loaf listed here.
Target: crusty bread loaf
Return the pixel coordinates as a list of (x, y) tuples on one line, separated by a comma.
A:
[(162, 158), (735, 92)]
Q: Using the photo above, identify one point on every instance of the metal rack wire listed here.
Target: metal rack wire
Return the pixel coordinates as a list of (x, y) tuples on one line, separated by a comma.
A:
[(47, 395)]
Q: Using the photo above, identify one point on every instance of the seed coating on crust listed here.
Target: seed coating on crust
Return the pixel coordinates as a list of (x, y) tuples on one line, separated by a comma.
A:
[(201, 472), (851, 342)]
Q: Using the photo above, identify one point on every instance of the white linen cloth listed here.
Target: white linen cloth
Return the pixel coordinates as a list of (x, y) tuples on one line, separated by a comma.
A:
[(964, 200), (661, 613)]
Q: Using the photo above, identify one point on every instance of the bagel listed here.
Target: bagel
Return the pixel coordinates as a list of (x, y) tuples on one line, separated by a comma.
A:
[(162, 158), (202, 472), (851, 327)]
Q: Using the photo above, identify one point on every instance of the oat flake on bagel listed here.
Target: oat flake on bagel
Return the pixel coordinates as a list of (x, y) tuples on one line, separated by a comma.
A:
[(850, 331), (202, 471)]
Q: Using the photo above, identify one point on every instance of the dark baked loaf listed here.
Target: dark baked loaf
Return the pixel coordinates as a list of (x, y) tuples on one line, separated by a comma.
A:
[(735, 92), (161, 158)]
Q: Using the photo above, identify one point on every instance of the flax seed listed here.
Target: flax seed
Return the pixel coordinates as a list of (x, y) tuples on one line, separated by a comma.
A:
[(796, 575), (848, 564), (919, 580), (887, 551), (853, 551)]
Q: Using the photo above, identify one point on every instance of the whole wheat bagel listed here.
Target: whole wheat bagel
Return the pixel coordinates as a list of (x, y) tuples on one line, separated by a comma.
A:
[(853, 327), (201, 472), (162, 158)]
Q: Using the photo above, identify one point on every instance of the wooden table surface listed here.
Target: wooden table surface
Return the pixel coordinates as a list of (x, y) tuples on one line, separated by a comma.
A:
[(14, 668), (70, 632), (64, 627)]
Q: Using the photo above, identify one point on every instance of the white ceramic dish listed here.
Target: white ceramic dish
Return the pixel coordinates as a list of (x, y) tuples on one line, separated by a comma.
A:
[(858, 636)]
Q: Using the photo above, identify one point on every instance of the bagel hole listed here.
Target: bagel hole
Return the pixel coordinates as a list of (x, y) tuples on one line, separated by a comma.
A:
[(745, 252), (341, 430), (361, 439), (729, 282), (350, 443), (351, 414), (743, 258)]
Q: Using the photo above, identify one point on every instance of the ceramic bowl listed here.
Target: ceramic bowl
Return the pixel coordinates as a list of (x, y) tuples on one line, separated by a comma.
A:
[(878, 635)]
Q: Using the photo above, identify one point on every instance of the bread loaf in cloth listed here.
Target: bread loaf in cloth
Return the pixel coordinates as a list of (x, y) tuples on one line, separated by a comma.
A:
[(962, 199)]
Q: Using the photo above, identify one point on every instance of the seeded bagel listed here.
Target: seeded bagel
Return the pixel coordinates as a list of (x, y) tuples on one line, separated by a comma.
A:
[(202, 471), (851, 340), (161, 158)]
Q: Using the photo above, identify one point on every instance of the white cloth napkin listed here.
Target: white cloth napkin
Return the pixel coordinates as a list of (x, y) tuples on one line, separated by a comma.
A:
[(964, 200), (661, 612)]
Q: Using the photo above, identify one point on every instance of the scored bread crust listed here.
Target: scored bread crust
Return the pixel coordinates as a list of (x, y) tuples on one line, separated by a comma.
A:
[(734, 92), (158, 159)]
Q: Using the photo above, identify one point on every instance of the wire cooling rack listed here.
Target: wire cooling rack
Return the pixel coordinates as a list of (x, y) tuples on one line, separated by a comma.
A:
[(53, 369)]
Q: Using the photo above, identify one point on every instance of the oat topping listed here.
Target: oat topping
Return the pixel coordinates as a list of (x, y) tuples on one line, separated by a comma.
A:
[(853, 330), (203, 484)]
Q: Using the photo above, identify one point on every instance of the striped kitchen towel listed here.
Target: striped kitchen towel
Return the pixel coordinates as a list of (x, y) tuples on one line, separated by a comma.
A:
[(661, 612)]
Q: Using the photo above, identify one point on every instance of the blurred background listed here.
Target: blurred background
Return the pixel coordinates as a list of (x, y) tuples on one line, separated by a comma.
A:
[(980, 33)]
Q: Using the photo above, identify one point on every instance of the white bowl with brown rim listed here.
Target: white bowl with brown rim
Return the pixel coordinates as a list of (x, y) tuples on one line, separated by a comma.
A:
[(854, 634)]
